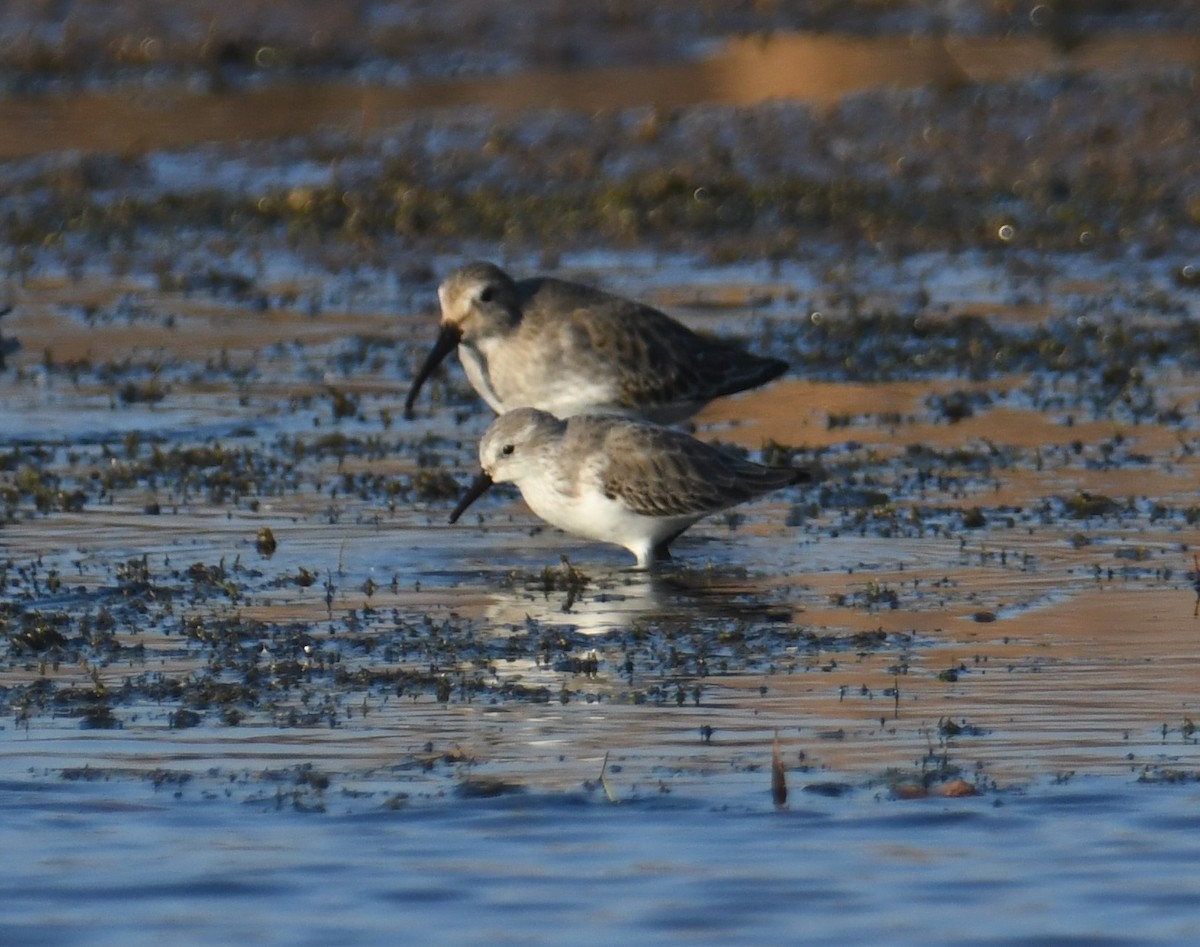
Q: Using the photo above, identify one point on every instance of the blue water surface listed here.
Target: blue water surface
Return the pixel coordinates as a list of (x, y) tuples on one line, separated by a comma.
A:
[(1098, 861)]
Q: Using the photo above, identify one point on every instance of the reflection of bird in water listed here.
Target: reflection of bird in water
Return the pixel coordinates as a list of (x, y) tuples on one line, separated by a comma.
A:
[(615, 480), (570, 349), (619, 600), (581, 607)]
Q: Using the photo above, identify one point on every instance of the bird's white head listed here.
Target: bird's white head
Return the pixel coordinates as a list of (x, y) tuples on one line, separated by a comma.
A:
[(513, 446)]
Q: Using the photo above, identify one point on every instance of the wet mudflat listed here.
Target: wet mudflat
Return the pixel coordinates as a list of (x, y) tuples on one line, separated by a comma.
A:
[(988, 601), (246, 661)]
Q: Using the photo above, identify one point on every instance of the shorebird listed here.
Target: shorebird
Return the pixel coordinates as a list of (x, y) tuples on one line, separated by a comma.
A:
[(616, 480), (570, 349)]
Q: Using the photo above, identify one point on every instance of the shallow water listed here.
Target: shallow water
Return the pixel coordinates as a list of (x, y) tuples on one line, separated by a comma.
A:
[(986, 732), (970, 649), (1099, 861), (809, 67)]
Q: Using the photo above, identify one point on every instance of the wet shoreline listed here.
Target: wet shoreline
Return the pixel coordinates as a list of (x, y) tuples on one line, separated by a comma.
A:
[(816, 69), (244, 656), (1005, 519)]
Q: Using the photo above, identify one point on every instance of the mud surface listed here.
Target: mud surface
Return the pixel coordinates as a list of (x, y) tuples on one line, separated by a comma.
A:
[(226, 573)]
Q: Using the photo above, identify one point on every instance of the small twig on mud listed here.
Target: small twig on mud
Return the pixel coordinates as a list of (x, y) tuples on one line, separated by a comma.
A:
[(778, 776), (1196, 584), (604, 781)]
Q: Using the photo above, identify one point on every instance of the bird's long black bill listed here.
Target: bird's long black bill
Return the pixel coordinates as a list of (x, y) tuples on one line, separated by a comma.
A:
[(481, 485), (447, 342)]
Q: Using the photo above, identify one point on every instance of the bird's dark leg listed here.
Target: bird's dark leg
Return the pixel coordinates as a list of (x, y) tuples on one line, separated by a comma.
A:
[(661, 552)]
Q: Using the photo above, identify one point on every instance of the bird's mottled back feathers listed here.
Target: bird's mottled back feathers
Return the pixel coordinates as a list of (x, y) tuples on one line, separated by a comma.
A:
[(661, 472), (650, 358)]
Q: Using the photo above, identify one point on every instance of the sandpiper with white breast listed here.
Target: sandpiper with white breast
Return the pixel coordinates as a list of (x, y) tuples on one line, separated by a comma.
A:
[(570, 349), (617, 480)]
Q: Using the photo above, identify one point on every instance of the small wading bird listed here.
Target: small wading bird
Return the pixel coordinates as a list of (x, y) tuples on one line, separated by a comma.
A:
[(616, 480), (570, 349)]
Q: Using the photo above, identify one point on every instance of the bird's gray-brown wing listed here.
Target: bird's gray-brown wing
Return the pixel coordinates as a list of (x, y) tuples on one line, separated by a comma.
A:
[(661, 472), (652, 358), (663, 361)]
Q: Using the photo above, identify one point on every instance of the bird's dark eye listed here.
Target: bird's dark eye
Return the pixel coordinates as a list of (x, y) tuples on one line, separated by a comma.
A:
[(507, 449), (487, 294)]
